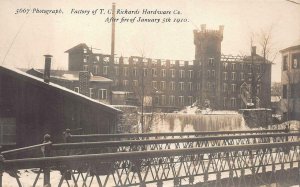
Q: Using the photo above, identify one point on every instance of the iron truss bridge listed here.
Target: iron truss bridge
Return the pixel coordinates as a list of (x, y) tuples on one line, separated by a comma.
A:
[(232, 165)]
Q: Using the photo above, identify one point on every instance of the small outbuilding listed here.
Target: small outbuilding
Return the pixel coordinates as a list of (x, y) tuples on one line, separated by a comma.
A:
[(31, 108)]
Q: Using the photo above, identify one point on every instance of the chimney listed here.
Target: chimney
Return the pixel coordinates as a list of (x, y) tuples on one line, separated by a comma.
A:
[(84, 77), (203, 27), (47, 68), (253, 50)]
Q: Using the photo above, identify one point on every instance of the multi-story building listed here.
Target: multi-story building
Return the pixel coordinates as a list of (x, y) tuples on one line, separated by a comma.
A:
[(220, 81), (290, 79)]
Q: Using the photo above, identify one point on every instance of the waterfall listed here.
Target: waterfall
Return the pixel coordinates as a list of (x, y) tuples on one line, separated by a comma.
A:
[(181, 122)]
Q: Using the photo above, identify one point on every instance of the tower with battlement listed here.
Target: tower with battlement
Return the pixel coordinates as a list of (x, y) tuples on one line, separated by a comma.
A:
[(208, 55)]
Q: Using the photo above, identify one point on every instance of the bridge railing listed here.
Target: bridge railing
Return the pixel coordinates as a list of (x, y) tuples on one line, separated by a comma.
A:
[(174, 143), (139, 136), (78, 148), (179, 166)]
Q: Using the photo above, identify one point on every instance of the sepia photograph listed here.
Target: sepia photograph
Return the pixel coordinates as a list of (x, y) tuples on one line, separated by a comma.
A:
[(150, 93)]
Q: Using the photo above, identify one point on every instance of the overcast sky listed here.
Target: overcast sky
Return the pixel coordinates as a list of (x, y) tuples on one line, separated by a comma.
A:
[(25, 38)]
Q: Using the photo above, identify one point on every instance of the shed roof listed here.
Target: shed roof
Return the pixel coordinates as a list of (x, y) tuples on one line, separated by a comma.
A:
[(35, 80)]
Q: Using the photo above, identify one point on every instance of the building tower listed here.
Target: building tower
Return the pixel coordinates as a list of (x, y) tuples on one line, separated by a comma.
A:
[(208, 55)]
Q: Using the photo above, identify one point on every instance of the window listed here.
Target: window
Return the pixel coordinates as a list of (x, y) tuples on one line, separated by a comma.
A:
[(250, 76), (172, 85), (233, 88), (117, 60), (154, 61), (242, 66), (224, 102), (172, 100), (76, 89), (190, 86), (102, 94), (106, 59), (242, 76), (85, 68), (95, 70), (134, 71), (172, 73), (145, 70), (154, 72), (181, 63), (125, 83), (181, 73), (258, 89), (208, 86), (163, 72), (116, 70), (105, 68), (85, 58), (145, 61), (125, 70), (225, 87), (154, 84), (163, 85), (225, 76), (198, 86), (284, 91), (249, 67), (233, 76), (208, 73), (233, 102), (181, 86), (163, 62), (163, 100), (91, 92), (190, 74), (233, 66), (84, 50), (213, 74), (295, 63), (211, 62), (135, 83), (285, 63), (135, 60), (225, 65), (181, 100)]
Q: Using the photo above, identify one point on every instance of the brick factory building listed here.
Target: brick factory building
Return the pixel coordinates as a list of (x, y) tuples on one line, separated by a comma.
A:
[(212, 79)]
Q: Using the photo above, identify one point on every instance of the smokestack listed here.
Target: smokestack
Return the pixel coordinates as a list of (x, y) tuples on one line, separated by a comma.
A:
[(253, 50), (112, 52), (47, 68), (84, 77)]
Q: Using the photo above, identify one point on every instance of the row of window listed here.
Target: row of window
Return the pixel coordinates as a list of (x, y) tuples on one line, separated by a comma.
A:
[(154, 72), (173, 100), (100, 94), (242, 66), (162, 85), (242, 77), (232, 103), (295, 62)]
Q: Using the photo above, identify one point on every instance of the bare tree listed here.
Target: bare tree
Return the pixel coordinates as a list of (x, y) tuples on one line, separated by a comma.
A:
[(268, 53)]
